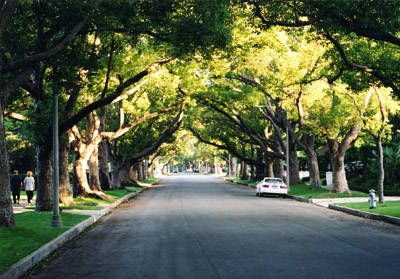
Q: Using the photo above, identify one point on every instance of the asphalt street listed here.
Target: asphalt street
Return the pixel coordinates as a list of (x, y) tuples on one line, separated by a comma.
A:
[(195, 226)]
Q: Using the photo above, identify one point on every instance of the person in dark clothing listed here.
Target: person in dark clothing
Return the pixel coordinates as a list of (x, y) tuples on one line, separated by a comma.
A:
[(16, 184)]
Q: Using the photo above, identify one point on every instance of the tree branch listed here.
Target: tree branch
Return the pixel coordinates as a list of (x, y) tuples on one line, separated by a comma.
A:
[(373, 72), (67, 124)]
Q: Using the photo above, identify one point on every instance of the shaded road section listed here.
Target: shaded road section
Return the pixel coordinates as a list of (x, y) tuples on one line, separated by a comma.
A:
[(201, 227)]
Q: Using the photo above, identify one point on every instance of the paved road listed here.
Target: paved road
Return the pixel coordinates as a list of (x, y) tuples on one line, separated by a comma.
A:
[(201, 227)]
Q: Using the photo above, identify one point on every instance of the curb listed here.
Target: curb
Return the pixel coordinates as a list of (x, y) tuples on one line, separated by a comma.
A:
[(367, 215), (23, 265)]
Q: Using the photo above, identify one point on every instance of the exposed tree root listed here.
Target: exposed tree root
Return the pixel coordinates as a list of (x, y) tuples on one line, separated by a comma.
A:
[(97, 195)]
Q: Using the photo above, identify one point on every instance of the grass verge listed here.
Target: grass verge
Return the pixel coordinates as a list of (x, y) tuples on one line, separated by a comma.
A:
[(305, 191), (32, 231), (390, 208), (81, 203)]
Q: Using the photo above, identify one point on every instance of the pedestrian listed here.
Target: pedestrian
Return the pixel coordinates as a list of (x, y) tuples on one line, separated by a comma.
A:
[(16, 185), (29, 183)]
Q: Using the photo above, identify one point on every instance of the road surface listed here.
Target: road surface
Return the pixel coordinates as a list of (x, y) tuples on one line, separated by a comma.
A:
[(198, 226)]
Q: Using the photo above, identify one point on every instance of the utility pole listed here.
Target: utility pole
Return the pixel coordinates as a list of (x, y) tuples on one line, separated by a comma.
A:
[(56, 218)]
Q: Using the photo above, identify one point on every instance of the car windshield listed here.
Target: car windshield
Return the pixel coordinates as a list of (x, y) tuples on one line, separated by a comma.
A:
[(273, 180)]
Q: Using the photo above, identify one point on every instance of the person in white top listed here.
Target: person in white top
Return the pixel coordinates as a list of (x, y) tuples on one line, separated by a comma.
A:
[(29, 183)]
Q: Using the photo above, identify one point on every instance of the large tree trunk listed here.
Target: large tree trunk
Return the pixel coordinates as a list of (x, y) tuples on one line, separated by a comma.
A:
[(129, 174), (270, 169), (45, 179), (81, 177), (278, 167), (6, 209), (243, 170), (103, 151), (93, 164), (381, 170), (312, 159), (293, 164), (233, 162), (339, 175), (66, 193), (337, 153), (261, 167), (315, 181), (105, 180), (83, 188), (115, 174)]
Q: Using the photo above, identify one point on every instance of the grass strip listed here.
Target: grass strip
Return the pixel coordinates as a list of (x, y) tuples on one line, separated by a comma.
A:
[(32, 230), (305, 191), (389, 208)]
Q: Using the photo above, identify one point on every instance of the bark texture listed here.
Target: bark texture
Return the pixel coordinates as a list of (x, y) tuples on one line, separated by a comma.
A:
[(308, 143), (337, 153), (45, 179), (294, 164), (66, 193), (6, 209)]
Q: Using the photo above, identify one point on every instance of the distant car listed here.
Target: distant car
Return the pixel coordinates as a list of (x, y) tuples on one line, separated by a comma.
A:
[(271, 185)]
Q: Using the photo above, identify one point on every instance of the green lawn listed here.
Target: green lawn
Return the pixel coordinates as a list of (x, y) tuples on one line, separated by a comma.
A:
[(133, 188), (96, 204), (390, 208), (31, 232), (305, 191), (87, 204)]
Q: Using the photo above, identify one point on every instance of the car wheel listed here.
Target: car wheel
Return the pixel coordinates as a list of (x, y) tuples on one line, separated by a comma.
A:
[(257, 194), (261, 194)]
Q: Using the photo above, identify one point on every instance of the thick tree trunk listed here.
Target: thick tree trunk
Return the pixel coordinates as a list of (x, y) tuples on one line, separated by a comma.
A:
[(252, 166), (233, 162), (381, 170), (115, 174), (129, 174), (6, 209), (260, 171), (339, 175), (278, 168), (93, 164), (81, 177), (243, 171), (105, 180), (270, 169), (103, 151), (312, 160), (83, 188), (66, 193), (45, 179), (293, 164), (315, 181)]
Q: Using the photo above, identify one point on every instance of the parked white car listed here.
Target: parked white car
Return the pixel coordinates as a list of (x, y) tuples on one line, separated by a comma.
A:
[(271, 185)]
